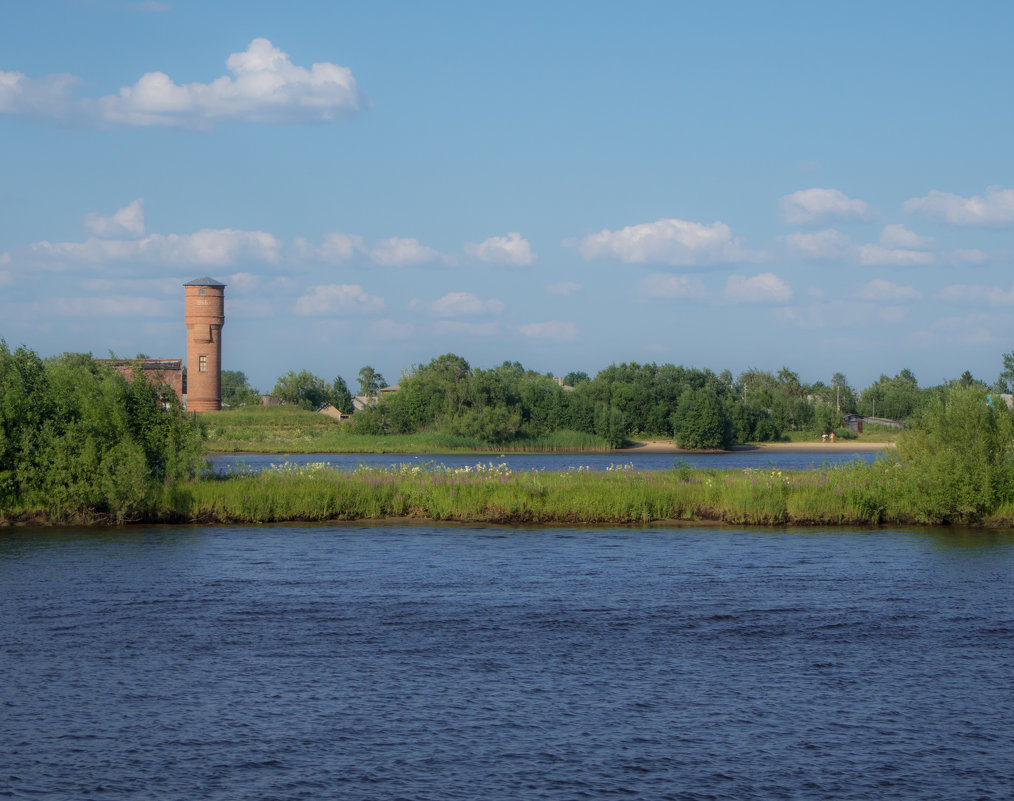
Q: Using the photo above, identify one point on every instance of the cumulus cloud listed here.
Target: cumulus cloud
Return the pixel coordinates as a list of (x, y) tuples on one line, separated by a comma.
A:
[(880, 290), (551, 329), (811, 206), (127, 222), (338, 299), (993, 295), (833, 245), (839, 314), (994, 208), (457, 304), (208, 247), (43, 98), (510, 249), (893, 257), (667, 241), (564, 288), (898, 236), (264, 86), (398, 251), (828, 245), (335, 249), (763, 288), (664, 285), (243, 282)]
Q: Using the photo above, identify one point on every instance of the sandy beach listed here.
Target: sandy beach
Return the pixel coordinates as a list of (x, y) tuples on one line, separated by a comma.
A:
[(668, 446)]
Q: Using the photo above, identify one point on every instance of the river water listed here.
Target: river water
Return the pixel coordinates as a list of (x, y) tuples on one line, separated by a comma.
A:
[(433, 662), (783, 460)]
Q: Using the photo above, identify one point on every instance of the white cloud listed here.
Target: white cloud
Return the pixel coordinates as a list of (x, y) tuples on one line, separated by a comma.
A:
[(667, 241), (458, 328), (397, 252), (456, 304), (127, 222), (335, 249), (993, 295), (763, 288), (880, 290), (833, 245), (563, 288), (5, 258), (810, 206), (510, 249), (828, 245), (265, 86), (968, 256), (45, 98), (338, 299), (839, 314), (898, 236), (894, 257), (219, 247), (664, 285), (551, 329), (243, 282), (995, 208)]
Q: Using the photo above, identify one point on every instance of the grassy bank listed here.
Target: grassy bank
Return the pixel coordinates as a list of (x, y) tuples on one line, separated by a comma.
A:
[(855, 495), (287, 429)]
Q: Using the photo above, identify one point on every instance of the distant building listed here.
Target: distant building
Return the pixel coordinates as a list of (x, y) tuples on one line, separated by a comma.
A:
[(168, 372), (204, 314)]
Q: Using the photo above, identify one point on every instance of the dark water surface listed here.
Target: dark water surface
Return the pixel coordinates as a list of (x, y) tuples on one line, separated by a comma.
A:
[(783, 460), (458, 663)]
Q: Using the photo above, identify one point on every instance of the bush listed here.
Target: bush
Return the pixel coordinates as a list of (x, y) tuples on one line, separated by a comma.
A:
[(958, 456), (76, 435)]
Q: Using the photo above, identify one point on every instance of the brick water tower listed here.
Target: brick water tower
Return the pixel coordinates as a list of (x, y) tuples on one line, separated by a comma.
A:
[(205, 316)]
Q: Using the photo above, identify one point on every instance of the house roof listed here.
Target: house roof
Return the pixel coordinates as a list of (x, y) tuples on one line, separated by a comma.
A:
[(204, 281)]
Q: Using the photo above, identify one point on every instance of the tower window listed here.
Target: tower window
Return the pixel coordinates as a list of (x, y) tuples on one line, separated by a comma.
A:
[(202, 364), (202, 291)]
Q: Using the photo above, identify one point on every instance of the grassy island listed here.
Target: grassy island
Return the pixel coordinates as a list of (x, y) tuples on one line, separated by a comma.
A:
[(81, 444)]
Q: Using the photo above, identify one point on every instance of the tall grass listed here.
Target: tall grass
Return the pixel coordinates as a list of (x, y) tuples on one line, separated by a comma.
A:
[(855, 494)]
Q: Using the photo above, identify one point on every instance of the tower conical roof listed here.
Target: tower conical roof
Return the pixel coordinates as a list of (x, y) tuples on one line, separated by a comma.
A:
[(205, 281)]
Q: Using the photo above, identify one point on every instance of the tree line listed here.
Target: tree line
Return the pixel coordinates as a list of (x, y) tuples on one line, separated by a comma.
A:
[(695, 407)]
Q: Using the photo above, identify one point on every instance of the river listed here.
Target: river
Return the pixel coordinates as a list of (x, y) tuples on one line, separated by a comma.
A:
[(433, 662), (783, 460)]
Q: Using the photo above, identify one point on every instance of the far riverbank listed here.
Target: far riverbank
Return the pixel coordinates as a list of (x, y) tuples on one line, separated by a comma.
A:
[(841, 446)]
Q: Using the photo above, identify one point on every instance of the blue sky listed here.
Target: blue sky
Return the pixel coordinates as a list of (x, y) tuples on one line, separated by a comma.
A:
[(724, 185)]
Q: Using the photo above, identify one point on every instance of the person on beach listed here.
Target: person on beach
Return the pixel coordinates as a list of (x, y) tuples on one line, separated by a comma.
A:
[(823, 437)]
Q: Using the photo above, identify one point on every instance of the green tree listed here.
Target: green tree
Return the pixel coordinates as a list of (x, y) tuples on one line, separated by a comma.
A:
[(370, 382), (302, 389), (700, 420), (236, 391), (340, 397), (575, 378)]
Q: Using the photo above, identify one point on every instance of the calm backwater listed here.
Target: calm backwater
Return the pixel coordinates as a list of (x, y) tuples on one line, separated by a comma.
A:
[(783, 460), (427, 662)]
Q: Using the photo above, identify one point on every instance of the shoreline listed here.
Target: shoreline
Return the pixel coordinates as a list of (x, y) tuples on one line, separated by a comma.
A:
[(668, 446), (645, 446)]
